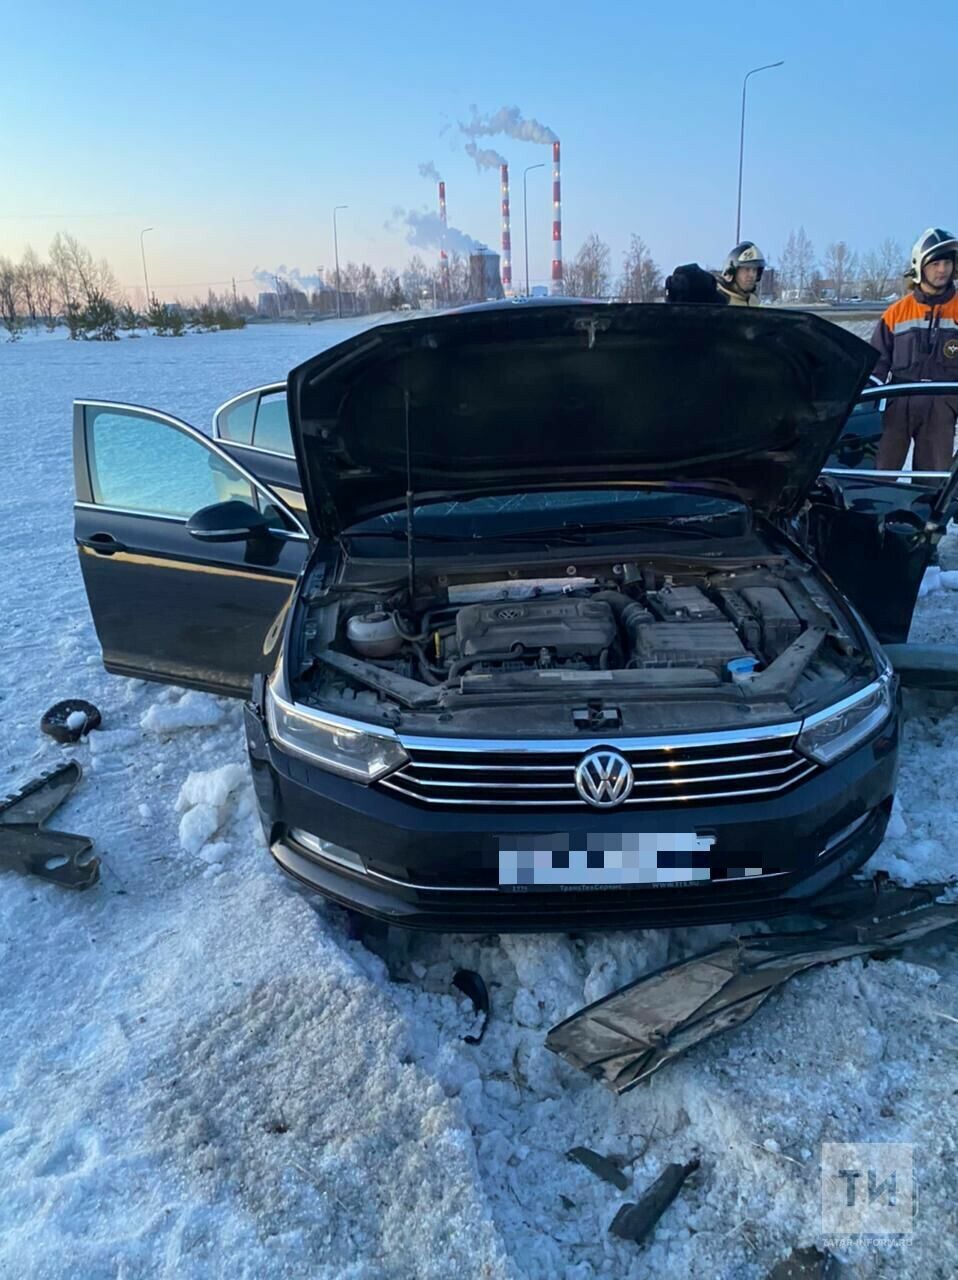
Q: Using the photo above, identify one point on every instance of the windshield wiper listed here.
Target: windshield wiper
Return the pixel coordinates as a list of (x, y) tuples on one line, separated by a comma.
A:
[(572, 534), (534, 535), (580, 532)]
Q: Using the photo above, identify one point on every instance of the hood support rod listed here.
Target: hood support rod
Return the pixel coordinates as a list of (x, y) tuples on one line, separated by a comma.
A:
[(410, 503)]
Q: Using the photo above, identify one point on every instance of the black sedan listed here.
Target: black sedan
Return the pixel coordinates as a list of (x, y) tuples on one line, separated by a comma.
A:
[(546, 617)]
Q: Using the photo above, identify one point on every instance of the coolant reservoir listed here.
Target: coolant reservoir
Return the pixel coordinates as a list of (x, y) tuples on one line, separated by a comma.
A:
[(374, 635)]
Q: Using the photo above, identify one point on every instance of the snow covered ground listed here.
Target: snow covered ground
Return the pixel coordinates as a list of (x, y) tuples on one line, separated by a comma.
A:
[(202, 1075)]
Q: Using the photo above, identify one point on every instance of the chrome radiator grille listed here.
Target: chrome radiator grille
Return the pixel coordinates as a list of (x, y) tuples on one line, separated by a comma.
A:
[(678, 771)]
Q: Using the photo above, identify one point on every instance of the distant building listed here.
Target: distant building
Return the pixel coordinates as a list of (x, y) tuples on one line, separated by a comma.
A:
[(485, 283)]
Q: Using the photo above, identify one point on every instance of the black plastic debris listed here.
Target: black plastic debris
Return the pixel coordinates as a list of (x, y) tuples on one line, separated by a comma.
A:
[(472, 986), (25, 843), (637, 1221), (809, 1263), (601, 1166), (625, 1037), (54, 721)]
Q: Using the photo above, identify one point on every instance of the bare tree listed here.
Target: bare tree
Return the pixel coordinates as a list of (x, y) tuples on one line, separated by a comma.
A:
[(369, 289), (787, 267), (797, 265), (589, 274), (45, 290), (351, 278), (641, 277), (79, 277), (458, 278), (415, 278), (28, 271), (841, 263), (881, 267), (10, 298)]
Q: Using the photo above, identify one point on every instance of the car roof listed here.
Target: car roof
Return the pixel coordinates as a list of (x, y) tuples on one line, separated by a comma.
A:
[(506, 304)]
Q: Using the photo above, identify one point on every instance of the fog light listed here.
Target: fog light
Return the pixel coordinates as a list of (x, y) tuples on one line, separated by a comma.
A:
[(327, 851)]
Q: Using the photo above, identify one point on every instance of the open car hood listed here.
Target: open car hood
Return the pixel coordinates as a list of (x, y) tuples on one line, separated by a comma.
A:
[(513, 397)]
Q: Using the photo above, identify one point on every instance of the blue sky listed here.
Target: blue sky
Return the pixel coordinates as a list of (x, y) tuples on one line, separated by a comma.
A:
[(233, 130)]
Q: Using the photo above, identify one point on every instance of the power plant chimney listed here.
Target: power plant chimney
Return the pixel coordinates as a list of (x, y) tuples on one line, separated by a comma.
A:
[(506, 233), (443, 256), (557, 285)]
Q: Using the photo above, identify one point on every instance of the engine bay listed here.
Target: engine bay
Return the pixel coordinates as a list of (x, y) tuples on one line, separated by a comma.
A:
[(769, 634)]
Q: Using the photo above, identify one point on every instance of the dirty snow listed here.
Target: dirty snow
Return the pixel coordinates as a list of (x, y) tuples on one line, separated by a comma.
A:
[(203, 1075)]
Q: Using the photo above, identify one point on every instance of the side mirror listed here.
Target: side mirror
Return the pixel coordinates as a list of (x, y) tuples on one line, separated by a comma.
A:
[(232, 521)]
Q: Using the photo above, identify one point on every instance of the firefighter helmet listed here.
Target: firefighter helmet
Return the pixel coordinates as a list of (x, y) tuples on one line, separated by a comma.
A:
[(930, 245), (745, 254)]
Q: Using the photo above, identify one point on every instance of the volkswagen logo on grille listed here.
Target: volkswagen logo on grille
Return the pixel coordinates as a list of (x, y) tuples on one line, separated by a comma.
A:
[(510, 613), (604, 779)]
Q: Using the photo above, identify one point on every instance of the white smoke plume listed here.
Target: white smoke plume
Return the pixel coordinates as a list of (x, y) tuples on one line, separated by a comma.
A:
[(424, 231), (428, 170), (289, 275), (509, 121), (484, 157)]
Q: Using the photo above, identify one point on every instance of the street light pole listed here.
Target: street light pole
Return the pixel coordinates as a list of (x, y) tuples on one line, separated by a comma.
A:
[(146, 282), (741, 144), (525, 218), (339, 296)]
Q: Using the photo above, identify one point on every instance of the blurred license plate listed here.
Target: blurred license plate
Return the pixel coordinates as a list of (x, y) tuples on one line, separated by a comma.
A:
[(605, 860)]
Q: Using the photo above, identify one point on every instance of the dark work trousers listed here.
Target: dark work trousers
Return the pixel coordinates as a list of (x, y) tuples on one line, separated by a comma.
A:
[(930, 422)]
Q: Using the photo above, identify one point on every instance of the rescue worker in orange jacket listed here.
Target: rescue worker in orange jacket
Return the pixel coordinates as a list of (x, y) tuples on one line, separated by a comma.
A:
[(917, 338)]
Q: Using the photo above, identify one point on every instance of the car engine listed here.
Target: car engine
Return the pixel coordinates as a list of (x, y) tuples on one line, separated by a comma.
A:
[(565, 630), (630, 631)]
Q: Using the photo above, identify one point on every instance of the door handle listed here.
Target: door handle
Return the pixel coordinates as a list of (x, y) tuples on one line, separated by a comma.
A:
[(103, 543)]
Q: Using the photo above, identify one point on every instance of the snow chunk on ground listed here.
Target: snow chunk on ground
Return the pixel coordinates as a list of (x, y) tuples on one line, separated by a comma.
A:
[(206, 803), (197, 825), (77, 719), (930, 582), (110, 742), (213, 787), (192, 711)]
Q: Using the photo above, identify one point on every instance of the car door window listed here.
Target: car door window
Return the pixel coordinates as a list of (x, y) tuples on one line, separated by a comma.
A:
[(879, 407), (145, 465), (235, 421), (271, 429)]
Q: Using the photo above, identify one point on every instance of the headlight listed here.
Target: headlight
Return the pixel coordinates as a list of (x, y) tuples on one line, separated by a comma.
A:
[(831, 734), (333, 744)]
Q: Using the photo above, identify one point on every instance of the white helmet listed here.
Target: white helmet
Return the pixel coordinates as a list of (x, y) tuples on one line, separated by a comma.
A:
[(745, 254), (931, 244)]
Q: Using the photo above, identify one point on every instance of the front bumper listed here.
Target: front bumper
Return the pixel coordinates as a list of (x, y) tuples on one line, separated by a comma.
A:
[(439, 870)]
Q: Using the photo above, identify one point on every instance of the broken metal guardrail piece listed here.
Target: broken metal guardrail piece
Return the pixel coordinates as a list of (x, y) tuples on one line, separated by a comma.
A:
[(628, 1035), (25, 843)]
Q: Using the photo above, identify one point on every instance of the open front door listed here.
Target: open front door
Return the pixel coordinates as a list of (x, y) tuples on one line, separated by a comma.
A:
[(167, 605), (873, 531)]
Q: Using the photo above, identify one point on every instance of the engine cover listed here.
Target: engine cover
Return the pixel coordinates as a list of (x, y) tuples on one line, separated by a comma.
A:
[(567, 627), (687, 644)]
